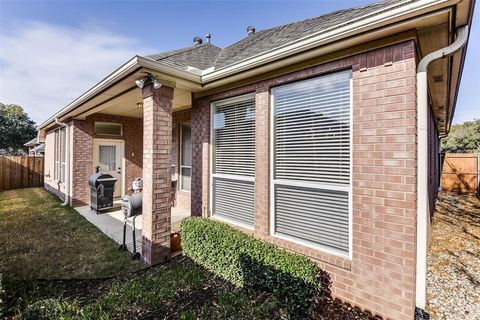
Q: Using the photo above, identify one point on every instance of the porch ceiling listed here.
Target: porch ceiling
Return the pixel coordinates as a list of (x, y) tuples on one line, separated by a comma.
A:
[(126, 104)]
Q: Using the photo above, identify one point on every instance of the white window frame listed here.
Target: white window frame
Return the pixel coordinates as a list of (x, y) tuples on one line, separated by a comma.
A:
[(59, 171), (180, 157), (242, 97), (56, 138), (326, 186)]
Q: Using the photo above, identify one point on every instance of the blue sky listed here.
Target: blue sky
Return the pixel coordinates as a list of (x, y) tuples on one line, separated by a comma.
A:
[(53, 51)]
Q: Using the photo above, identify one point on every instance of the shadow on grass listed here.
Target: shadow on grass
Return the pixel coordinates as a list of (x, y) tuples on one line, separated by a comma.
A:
[(293, 292), (182, 289)]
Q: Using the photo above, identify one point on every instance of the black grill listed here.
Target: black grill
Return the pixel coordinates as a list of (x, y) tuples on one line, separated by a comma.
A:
[(102, 188), (132, 205)]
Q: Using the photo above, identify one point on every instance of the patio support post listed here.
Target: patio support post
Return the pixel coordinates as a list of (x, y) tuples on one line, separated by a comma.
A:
[(157, 141), (262, 177)]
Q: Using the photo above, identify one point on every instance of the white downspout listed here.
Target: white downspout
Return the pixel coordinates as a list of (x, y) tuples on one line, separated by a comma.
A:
[(67, 161), (423, 210)]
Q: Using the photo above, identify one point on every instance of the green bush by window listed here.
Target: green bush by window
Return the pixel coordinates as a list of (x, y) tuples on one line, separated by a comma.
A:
[(293, 279)]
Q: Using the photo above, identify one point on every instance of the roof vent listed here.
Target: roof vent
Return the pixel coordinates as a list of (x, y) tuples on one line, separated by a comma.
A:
[(250, 30), (197, 40), (208, 36)]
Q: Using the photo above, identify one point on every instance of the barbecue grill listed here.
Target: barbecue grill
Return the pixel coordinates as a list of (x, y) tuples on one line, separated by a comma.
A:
[(131, 207), (102, 187)]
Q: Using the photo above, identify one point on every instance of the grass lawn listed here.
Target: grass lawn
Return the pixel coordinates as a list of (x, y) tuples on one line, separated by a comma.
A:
[(56, 265), (39, 239)]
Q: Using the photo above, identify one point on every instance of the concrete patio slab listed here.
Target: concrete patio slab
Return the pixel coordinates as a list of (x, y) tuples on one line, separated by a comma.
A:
[(110, 222)]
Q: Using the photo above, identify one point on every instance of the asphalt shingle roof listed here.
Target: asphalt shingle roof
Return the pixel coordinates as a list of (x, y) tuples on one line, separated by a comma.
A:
[(207, 55), (201, 56)]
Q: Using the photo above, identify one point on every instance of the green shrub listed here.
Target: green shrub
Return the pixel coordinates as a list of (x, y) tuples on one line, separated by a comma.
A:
[(293, 279)]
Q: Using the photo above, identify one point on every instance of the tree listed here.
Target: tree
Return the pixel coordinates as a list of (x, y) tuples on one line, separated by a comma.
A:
[(463, 137), (16, 128)]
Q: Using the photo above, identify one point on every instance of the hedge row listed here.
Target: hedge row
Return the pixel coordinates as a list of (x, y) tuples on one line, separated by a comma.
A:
[(246, 261)]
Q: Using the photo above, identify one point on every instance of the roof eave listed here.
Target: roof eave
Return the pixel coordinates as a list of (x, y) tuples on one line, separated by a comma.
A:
[(131, 65), (113, 77)]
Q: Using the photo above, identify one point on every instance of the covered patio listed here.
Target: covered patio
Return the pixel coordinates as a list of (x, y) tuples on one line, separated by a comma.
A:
[(137, 127), (111, 223), (141, 133)]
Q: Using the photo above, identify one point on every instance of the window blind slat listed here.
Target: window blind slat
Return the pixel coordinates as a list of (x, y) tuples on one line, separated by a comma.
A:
[(234, 200), (233, 153), (234, 138), (305, 219), (311, 145)]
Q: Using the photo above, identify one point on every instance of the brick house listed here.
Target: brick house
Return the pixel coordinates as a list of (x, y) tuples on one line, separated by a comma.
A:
[(320, 136)]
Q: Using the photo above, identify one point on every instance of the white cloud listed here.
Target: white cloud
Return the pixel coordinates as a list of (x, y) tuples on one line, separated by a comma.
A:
[(43, 67)]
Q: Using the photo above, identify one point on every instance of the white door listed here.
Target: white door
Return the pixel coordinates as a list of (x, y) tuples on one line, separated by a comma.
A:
[(108, 158)]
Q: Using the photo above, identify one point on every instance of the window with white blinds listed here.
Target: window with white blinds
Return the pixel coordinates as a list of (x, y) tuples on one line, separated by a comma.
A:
[(59, 154), (233, 160), (185, 157), (311, 161)]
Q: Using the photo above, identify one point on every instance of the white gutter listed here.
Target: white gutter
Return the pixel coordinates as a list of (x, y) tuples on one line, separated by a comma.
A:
[(67, 161), (423, 210)]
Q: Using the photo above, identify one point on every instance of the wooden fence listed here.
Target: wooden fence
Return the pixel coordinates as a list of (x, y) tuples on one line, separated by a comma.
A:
[(460, 172), (21, 172)]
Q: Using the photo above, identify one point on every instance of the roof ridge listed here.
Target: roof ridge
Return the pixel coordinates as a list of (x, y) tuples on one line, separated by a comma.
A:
[(167, 54)]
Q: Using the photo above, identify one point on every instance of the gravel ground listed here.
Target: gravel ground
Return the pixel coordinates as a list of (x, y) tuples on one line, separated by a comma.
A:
[(453, 279)]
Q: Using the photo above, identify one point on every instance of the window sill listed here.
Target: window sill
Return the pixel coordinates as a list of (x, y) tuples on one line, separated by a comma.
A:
[(243, 227), (315, 253)]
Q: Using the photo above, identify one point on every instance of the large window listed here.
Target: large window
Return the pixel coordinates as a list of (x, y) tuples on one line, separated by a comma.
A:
[(233, 160), (59, 155), (311, 162), (186, 157)]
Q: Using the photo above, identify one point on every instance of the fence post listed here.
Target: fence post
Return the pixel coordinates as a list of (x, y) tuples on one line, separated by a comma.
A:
[(478, 174)]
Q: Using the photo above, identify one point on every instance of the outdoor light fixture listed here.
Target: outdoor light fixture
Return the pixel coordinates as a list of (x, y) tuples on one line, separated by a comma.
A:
[(139, 105), (141, 82), (156, 83)]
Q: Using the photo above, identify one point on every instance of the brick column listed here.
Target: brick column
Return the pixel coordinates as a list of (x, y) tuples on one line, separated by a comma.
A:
[(200, 157), (82, 161), (157, 140), (262, 176)]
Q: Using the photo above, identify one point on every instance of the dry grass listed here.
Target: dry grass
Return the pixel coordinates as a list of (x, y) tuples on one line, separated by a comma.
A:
[(454, 258)]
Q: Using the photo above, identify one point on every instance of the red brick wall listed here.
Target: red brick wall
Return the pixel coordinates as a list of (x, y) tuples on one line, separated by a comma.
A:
[(81, 162), (83, 135), (179, 117), (157, 138), (381, 274)]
